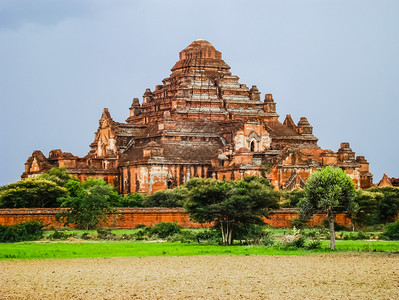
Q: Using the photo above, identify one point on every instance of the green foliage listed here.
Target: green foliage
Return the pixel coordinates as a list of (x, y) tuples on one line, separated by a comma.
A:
[(328, 191), (105, 234), (314, 233), (392, 231), (298, 242), (291, 199), (132, 200), (228, 203), (31, 192), (337, 227), (60, 235), (377, 206), (356, 235), (313, 244), (165, 229), (388, 207), (28, 231), (93, 200), (369, 202), (59, 175), (167, 198), (298, 223)]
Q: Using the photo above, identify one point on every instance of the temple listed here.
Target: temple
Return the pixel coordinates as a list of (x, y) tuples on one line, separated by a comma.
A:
[(202, 122)]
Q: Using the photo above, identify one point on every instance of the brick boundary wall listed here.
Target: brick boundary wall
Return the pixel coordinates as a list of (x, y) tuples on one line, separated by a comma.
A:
[(131, 217)]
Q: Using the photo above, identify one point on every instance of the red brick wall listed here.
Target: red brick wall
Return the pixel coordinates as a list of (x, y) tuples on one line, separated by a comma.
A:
[(131, 217)]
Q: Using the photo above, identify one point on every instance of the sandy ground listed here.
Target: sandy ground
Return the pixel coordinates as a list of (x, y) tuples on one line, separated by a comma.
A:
[(337, 276)]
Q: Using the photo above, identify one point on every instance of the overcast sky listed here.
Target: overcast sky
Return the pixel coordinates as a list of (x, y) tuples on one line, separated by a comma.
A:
[(61, 62)]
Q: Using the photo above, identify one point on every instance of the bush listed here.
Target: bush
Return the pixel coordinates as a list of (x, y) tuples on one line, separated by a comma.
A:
[(86, 236), (356, 236), (167, 198), (298, 242), (60, 235), (142, 233), (313, 244), (105, 234), (28, 231), (392, 231), (311, 233), (185, 236), (253, 234), (165, 229), (132, 200), (210, 236)]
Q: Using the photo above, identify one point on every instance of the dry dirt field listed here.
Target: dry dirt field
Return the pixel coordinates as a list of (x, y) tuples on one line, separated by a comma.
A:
[(337, 276)]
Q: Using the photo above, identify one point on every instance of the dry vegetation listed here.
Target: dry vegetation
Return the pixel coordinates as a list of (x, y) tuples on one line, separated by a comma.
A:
[(332, 276)]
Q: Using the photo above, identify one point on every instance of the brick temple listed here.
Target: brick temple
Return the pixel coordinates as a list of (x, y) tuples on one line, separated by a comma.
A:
[(202, 122)]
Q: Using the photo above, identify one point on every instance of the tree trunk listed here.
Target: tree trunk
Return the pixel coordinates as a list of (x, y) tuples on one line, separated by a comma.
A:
[(223, 237), (331, 220)]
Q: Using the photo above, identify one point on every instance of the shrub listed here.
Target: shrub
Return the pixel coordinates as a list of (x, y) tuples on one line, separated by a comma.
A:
[(257, 235), (313, 244), (298, 242), (185, 236), (86, 236), (132, 200), (105, 234), (392, 231), (167, 198), (210, 236), (311, 233), (142, 233), (59, 235), (165, 229), (356, 235), (28, 231)]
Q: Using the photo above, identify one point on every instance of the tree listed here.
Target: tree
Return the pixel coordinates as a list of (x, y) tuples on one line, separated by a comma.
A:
[(167, 198), (368, 202), (388, 206), (132, 200), (59, 175), (89, 204), (328, 191), (31, 192), (230, 203)]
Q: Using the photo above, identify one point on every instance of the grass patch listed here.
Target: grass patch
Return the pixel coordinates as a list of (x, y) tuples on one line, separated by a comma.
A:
[(31, 250)]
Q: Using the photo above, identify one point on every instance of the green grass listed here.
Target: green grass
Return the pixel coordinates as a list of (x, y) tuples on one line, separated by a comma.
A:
[(31, 250)]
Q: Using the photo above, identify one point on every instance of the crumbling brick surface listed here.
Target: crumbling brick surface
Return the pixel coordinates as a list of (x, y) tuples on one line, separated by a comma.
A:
[(131, 217)]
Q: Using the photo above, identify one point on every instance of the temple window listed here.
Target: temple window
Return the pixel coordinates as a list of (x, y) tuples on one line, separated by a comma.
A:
[(252, 147)]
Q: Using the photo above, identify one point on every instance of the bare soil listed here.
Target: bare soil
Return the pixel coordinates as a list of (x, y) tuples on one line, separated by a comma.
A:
[(333, 276)]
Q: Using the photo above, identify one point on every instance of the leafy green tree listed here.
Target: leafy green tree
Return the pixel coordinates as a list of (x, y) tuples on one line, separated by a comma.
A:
[(328, 191), (291, 198), (230, 203), (59, 175), (31, 192), (167, 198), (368, 202), (132, 200), (388, 206), (89, 204)]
